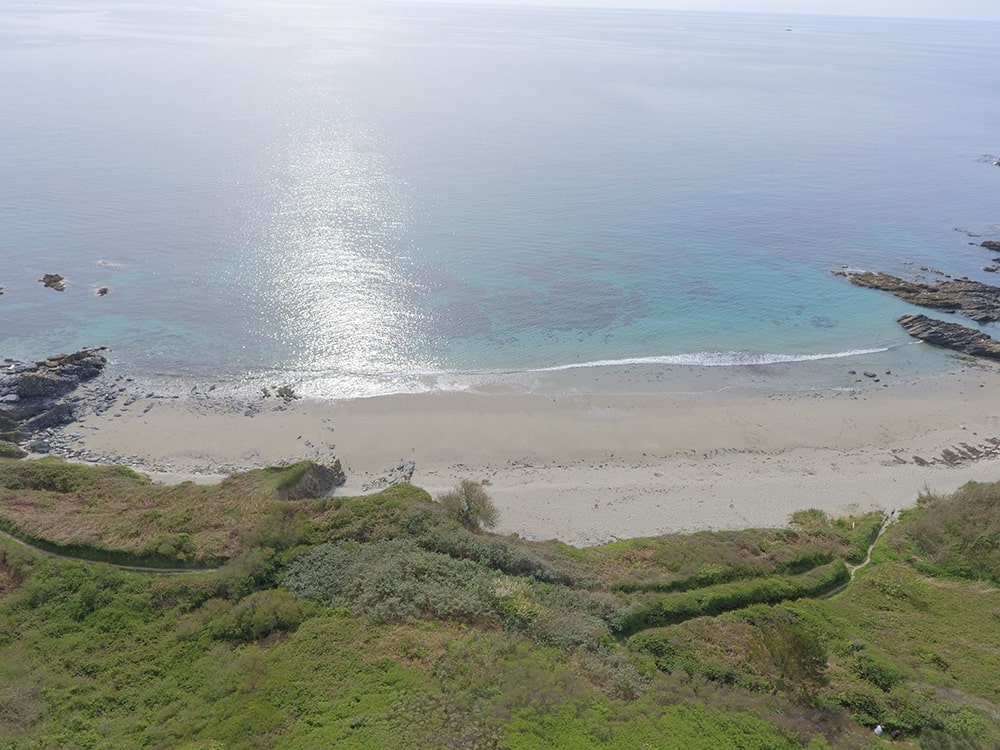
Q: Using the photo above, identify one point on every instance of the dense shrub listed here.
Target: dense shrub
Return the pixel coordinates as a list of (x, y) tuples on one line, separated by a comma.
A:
[(441, 721), (286, 526), (865, 533), (797, 652), (11, 450), (613, 672), (659, 645), (675, 608), (260, 614), (880, 672), (391, 580), (866, 707), (495, 553)]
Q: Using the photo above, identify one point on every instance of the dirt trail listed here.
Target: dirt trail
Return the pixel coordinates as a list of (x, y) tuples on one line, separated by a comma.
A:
[(886, 520), (119, 566)]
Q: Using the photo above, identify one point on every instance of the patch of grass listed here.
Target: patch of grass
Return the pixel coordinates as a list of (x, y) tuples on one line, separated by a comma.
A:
[(115, 515), (52, 474), (283, 477), (956, 535)]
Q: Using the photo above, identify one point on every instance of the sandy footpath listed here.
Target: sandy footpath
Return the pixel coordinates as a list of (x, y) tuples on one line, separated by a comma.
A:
[(587, 468)]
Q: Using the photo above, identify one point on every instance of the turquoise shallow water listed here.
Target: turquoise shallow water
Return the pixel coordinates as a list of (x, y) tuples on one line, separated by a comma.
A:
[(402, 197)]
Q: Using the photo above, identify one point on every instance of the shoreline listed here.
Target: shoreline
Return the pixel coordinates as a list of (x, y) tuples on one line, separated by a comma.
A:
[(588, 467)]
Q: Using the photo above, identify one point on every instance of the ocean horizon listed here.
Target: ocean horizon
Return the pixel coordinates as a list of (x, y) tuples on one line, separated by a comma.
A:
[(390, 198)]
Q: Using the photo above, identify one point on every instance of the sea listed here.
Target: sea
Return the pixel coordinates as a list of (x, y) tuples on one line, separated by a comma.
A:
[(355, 199)]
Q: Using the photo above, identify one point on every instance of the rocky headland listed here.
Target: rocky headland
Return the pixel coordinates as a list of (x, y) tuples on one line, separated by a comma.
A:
[(38, 397), (41, 401), (975, 300)]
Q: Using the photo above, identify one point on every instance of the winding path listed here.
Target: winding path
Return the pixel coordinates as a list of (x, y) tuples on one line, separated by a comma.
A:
[(852, 569), (886, 520), (119, 566)]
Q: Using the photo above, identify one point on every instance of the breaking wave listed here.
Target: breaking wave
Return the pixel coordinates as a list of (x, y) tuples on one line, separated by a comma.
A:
[(715, 359)]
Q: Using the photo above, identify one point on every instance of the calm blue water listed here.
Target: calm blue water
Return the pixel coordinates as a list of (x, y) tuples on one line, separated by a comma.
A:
[(391, 197)]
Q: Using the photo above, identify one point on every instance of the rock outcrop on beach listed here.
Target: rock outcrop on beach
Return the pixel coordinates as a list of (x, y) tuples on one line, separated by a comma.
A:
[(37, 397), (316, 481), (973, 299), (951, 335)]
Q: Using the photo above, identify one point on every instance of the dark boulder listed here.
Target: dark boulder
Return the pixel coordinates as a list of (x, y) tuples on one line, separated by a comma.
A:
[(990, 245), (60, 414), (44, 384)]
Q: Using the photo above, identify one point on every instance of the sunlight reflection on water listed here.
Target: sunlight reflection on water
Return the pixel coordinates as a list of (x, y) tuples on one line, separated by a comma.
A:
[(328, 254)]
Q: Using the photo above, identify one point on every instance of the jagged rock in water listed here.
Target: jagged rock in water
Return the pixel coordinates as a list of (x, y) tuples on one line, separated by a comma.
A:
[(990, 245), (54, 281), (952, 336), (973, 299)]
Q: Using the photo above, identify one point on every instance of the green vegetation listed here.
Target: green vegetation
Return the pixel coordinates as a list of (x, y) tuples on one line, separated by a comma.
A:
[(11, 450), (112, 514), (470, 505), (955, 537), (390, 621)]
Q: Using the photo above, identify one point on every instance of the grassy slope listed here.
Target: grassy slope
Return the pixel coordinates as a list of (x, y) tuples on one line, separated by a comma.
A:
[(113, 508), (380, 622)]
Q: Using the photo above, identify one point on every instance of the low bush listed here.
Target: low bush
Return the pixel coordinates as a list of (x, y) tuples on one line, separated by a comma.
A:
[(877, 670), (11, 450), (258, 615), (470, 505), (391, 580)]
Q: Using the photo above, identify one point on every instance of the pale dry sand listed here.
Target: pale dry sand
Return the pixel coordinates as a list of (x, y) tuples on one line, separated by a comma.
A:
[(588, 468)]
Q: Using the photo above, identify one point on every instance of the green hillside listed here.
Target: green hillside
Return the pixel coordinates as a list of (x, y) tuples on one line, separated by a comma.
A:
[(386, 621)]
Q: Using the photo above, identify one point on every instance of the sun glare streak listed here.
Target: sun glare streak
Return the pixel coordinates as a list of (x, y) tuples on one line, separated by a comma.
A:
[(330, 255)]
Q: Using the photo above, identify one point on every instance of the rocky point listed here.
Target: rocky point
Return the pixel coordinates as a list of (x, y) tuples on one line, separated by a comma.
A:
[(37, 397)]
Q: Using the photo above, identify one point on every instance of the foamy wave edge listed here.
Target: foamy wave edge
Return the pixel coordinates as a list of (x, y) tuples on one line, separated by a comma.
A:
[(354, 385), (715, 359)]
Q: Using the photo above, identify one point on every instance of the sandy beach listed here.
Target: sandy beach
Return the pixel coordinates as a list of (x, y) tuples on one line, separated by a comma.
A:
[(586, 468)]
